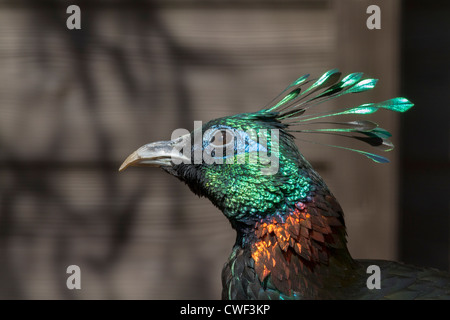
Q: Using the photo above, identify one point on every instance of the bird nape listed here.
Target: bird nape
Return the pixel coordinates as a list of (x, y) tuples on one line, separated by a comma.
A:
[(291, 237)]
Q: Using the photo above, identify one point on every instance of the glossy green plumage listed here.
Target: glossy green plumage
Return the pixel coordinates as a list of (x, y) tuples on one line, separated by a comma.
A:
[(294, 106), (245, 191), (292, 95)]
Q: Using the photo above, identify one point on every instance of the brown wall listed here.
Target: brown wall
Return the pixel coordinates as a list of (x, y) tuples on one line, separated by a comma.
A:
[(74, 104)]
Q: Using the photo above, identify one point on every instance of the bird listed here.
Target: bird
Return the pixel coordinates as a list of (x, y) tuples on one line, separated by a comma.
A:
[(291, 240)]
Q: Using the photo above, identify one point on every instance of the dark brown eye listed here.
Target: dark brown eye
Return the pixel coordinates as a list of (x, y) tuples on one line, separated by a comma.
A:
[(222, 138)]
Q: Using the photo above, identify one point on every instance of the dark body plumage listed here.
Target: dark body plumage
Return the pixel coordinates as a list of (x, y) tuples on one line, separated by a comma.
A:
[(398, 282), (291, 237)]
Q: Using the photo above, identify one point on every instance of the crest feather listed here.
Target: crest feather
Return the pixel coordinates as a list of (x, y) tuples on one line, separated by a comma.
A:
[(304, 94)]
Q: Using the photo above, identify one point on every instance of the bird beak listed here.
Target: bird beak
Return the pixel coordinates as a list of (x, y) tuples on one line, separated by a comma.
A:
[(158, 154)]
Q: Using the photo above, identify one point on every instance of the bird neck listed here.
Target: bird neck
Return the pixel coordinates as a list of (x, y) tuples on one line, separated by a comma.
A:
[(306, 204), (313, 227), (302, 236)]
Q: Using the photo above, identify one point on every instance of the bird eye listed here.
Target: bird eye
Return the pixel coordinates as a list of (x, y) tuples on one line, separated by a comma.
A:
[(222, 137)]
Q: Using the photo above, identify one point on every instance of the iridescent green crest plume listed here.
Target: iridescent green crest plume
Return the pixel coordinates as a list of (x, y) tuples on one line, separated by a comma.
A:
[(292, 110)]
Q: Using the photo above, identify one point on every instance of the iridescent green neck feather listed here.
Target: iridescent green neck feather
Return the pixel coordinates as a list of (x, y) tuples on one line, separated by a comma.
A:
[(242, 191)]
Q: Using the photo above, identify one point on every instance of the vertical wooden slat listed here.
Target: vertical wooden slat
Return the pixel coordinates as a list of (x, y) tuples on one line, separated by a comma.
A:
[(425, 156)]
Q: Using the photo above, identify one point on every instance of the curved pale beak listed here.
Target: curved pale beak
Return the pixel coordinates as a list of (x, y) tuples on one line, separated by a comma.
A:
[(160, 154)]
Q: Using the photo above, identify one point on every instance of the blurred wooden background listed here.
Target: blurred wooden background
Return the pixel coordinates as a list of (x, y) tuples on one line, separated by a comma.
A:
[(75, 103)]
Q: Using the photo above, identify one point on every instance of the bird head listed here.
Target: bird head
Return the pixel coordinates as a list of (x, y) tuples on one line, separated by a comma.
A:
[(248, 165)]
